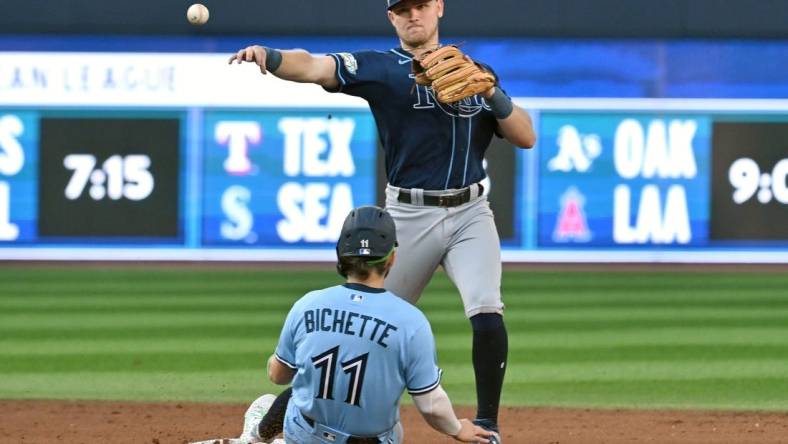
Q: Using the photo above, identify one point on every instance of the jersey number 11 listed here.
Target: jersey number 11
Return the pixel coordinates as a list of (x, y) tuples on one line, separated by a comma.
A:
[(326, 362)]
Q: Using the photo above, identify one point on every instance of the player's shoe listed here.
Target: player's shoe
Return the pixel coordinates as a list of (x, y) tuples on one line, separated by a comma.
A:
[(254, 414), (492, 427)]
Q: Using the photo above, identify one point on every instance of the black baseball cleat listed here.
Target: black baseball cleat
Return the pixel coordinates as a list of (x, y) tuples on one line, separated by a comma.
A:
[(486, 424)]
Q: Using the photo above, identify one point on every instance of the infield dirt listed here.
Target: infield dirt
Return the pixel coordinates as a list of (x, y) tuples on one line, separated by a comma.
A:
[(91, 422)]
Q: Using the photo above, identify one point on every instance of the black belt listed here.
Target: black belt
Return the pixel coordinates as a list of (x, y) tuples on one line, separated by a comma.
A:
[(351, 439), (446, 200)]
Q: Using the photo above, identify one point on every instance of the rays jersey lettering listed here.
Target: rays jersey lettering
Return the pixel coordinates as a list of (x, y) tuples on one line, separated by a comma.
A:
[(468, 107), (356, 349), (427, 144)]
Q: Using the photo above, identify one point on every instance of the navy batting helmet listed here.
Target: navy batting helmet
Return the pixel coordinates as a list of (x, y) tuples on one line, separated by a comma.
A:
[(367, 232)]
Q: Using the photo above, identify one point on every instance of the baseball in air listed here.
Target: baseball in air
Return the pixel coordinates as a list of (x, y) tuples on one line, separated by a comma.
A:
[(197, 14)]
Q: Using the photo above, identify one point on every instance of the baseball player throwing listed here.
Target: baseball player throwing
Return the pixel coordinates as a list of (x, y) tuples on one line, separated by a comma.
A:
[(351, 350), (436, 111)]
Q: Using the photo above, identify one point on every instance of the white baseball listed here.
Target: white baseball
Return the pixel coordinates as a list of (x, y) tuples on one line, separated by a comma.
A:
[(197, 14)]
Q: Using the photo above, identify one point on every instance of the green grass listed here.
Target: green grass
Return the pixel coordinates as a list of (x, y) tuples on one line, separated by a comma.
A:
[(583, 339)]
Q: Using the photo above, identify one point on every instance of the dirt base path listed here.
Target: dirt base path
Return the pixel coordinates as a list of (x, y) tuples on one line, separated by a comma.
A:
[(135, 423)]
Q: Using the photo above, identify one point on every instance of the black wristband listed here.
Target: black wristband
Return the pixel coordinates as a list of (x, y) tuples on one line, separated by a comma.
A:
[(500, 104), (273, 58)]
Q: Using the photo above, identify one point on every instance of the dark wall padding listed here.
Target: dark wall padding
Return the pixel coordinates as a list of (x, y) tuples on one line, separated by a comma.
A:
[(528, 18)]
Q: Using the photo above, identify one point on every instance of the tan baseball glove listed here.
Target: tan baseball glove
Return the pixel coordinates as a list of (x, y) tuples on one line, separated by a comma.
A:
[(452, 75)]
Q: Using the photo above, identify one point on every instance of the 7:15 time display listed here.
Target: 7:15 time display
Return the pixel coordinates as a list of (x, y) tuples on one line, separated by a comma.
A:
[(114, 178), (117, 178)]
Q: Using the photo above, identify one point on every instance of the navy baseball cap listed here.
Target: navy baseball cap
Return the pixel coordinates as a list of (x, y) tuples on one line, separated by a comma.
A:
[(367, 232), (392, 3)]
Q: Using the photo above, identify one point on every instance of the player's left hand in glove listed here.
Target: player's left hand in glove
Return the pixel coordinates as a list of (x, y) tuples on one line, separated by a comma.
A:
[(452, 74)]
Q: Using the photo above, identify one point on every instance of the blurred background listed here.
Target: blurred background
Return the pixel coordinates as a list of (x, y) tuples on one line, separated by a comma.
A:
[(125, 135)]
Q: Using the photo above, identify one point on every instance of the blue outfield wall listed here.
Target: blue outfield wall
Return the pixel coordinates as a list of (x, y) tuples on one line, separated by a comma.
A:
[(531, 67)]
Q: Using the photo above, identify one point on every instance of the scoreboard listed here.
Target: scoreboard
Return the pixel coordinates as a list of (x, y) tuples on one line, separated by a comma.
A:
[(178, 156), (750, 172), (668, 179), (68, 178), (276, 179), (119, 177), (624, 179), (108, 178)]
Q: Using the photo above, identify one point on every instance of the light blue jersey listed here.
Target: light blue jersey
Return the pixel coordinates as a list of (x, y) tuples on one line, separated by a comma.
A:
[(356, 349)]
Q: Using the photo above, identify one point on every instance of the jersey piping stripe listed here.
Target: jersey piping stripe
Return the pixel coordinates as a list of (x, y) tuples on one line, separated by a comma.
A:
[(285, 362), (467, 152), (429, 388), (401, 54), (453, 142), (339, 69)]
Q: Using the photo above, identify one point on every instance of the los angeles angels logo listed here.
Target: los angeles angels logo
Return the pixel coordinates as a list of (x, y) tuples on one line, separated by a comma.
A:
[(571, 224)]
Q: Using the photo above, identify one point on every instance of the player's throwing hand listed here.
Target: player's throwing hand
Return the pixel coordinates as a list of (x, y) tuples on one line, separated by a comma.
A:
[(255, 54)]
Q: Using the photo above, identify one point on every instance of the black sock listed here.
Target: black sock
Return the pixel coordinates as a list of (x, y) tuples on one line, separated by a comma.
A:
[(490, 348), (274, 421)]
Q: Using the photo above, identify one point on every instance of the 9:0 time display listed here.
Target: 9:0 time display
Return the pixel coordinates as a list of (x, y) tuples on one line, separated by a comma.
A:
[(746, 178)]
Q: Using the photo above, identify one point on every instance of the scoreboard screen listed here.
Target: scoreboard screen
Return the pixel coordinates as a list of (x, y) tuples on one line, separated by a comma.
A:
[(749, 199), (108, 177), (623, 180)]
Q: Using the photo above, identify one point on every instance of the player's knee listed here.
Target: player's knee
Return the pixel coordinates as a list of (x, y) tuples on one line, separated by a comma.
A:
[(486, 321)]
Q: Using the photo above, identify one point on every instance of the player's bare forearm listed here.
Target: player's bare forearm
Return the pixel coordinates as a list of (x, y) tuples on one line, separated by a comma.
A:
[(518, 128), (303, 67), (295, 65), (279, 373), (435, 407)]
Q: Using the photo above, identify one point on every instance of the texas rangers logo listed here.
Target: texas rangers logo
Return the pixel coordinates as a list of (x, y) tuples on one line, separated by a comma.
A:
[(571, 225)]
